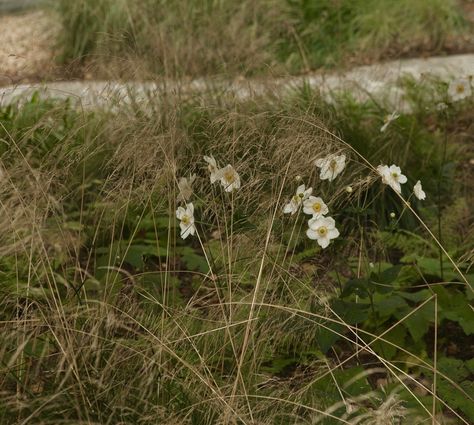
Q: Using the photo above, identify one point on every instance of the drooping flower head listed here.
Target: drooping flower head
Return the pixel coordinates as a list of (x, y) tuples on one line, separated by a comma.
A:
[(185, 188), (315, 206), (392, 176), (331, 166), (459, 89), (186, 217), (388, 119), (322, 229), (418, 191), (212, 167), (301, 195), (229, 178)]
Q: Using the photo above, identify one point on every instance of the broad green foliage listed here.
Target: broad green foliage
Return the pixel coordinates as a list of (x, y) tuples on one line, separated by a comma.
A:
[(389, 298)]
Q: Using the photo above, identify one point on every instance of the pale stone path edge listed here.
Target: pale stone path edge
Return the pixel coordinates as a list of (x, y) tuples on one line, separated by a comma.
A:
[(378, 81)]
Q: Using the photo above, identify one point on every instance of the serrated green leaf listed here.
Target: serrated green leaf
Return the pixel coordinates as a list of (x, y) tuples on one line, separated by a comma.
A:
[(419, 322)]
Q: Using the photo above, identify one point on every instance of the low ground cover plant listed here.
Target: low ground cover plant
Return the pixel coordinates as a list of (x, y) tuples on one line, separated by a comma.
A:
[(210, 260)]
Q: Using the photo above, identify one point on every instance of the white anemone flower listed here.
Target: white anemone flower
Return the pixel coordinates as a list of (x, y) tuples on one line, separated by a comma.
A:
[(186, 217), (459, 89), (392, 176), (212, 167), (315, 206), (388, 119), (229, 178), (185, 188), (418, 191), (322, 229), (301, 195), (331, 166)]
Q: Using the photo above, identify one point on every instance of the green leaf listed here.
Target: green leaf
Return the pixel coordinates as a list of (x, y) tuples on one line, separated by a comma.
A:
[(350, 312), (192, 260), (417, 296), (454, 368), (389, 275), (386, 306), (455, 306), (326, 336), (135, 255), (396, 336), (419, 322), (356, 286)]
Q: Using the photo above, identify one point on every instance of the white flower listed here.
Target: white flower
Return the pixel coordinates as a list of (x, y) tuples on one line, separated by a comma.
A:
[(212, 167), (315, 207), (185, 188), (331, 166), (229, 178), (441, 106), (349, 189), (186, 217), (322, 229), (459, 89), (392, 215), (418, 191), (388, 119), (392, 176), (301, 195)]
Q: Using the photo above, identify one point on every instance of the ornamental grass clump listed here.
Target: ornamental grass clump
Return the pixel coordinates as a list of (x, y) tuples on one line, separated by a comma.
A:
[(144, 283)]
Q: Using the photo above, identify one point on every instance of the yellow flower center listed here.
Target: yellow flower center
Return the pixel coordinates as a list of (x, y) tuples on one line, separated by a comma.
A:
[(316, 207), (185, 219), (229, 177), (301, 195), (460, 88), (333, 164), (395, 175), (322, 231)]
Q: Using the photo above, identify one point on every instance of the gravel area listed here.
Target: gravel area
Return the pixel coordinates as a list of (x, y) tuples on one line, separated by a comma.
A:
[(26, 42)]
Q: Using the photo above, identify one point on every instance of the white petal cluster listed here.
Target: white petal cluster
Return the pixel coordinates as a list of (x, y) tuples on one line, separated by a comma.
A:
[(228, 176), (322, 229), (212, 167), (315, 206), (230, 179), (302, 194), (388, 119), (392, 176), (459, 89), (418, 191), (185, 188), (186, 217), (330, 166)]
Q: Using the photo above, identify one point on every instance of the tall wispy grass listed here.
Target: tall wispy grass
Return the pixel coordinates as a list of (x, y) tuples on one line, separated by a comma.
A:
[(109, 317), (193, 38)]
